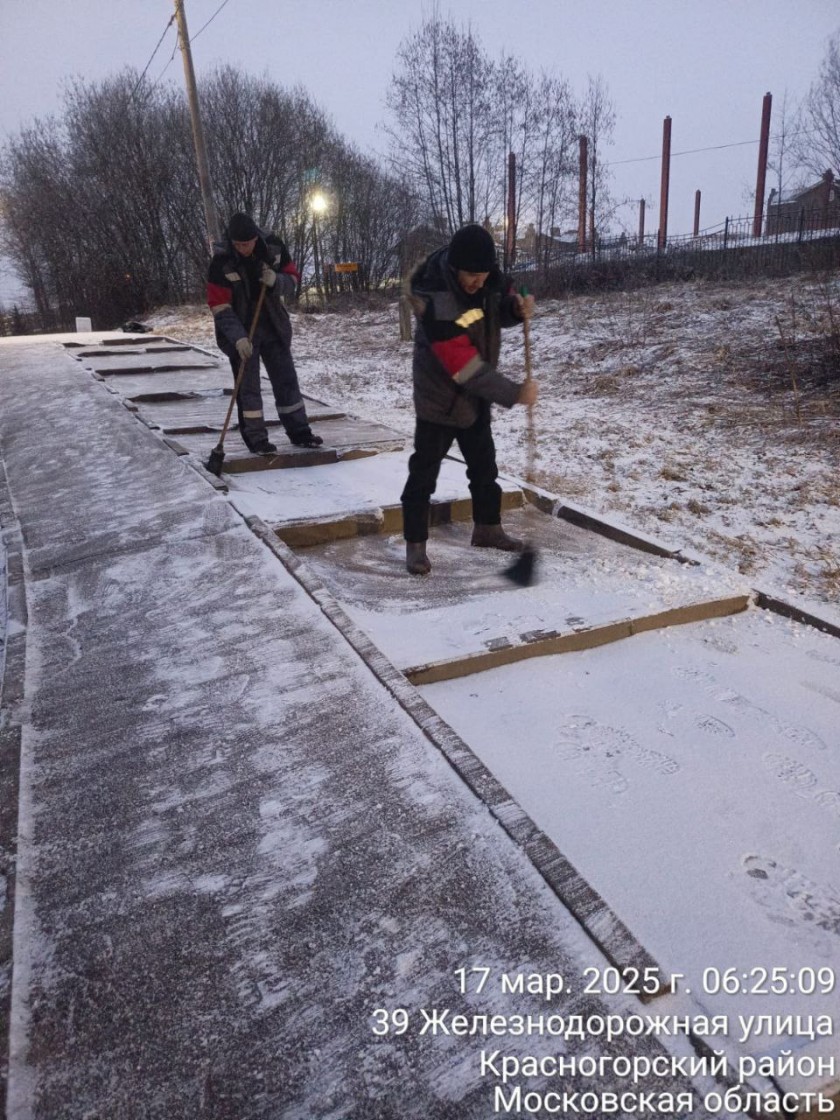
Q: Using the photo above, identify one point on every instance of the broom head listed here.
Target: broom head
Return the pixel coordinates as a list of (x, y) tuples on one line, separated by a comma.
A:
[(521, 572)]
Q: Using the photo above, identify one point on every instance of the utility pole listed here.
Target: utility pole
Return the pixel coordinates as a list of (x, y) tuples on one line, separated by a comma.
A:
[(210, 216), (666, 176), (761, 175), (583, 163), (510, 229)]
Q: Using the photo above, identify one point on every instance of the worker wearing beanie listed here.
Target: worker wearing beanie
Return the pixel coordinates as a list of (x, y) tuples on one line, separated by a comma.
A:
[(461, 301), (241, 263)]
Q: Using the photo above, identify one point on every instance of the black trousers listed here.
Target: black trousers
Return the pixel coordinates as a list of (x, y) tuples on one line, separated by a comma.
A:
[(431, 443), (282, 375)]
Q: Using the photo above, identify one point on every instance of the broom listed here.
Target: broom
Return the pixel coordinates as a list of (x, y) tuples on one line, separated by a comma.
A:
[(521, 572), (217, 455)]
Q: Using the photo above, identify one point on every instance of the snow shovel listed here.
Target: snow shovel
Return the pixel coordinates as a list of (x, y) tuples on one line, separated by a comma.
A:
[(217, 455), (521, 572)]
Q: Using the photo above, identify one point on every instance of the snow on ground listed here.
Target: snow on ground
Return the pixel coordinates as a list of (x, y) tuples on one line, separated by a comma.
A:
[(691, 411)]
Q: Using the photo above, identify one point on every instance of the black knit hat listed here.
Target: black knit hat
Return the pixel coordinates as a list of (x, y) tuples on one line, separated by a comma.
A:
[(472, 249), (241, 227)]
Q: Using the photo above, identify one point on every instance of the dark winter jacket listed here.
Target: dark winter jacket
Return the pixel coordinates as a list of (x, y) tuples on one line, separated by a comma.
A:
[(457, 343), (233, 284)]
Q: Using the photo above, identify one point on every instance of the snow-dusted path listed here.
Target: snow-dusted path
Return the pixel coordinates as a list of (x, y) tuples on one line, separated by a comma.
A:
[(237, 845)]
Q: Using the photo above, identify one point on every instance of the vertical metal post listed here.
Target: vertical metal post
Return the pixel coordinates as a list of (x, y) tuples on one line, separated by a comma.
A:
[(583, 161), (761, 176), (641, 222), (666, 176), (725, 232), (510, 231), (210, 216), (696, 213)]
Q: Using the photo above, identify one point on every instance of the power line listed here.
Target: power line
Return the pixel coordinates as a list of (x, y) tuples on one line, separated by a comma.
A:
[(712, 148), (154, 52), (210, 20), (192, 39)]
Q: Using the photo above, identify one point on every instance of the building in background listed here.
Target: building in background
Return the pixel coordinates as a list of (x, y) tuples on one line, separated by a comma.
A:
[(814, 207)]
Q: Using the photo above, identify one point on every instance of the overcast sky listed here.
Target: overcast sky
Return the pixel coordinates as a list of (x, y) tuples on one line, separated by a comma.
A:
[(705, 63)]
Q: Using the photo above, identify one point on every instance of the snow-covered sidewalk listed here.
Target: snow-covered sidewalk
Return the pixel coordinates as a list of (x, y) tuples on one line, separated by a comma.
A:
[(235, 846), (248, 872)]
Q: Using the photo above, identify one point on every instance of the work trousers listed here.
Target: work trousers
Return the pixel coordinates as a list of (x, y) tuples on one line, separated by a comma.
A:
[(431, 443), (277, 359)]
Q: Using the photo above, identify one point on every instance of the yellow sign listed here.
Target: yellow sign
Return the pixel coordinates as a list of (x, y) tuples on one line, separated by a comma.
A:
[(351, 266)]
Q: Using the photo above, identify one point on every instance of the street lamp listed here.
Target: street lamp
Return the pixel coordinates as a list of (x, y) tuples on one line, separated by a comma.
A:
[(318, 205)]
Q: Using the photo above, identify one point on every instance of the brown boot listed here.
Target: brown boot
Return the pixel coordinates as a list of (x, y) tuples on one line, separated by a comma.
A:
[(494, 536), (416, 559)]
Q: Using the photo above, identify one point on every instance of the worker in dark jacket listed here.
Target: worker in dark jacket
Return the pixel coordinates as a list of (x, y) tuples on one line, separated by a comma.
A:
[(461, 301), (241, 263)]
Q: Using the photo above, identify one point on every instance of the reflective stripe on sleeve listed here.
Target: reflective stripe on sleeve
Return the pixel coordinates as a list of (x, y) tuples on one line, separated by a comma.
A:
[(473, 315)]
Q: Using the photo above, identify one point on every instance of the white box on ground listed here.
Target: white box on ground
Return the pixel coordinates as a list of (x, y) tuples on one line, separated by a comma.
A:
[(83, 324)]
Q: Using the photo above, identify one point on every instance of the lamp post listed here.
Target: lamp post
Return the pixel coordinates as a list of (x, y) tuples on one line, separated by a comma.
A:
[(318, 207)]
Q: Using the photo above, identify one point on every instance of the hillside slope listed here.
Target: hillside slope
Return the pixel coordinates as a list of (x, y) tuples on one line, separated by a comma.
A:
[(704, 414)]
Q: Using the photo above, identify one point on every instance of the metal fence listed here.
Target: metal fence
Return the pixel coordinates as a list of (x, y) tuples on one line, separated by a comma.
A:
[(728, 251)]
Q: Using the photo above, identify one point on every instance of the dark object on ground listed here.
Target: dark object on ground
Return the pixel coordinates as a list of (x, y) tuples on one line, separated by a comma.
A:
[(521, 572), (135, 328)]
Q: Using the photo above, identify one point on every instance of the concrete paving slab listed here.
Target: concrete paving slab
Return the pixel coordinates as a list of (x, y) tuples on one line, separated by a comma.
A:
[(88, 339), (367, 489), (468, 607), (207, 414), (738, 876), (113, 363), (342, 436), (160, 386), (234, 844), (110, 350)]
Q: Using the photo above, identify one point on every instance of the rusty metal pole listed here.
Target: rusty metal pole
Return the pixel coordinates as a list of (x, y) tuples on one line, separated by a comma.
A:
[(583, 164), (641, 221), (210, 215), (510, 232), (764, 144), (666, 176), (696, 213)]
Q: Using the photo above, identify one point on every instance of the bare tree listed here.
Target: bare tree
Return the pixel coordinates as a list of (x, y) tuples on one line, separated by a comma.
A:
[(515, 112), (370, 215), (818, 143), (442, 136), (97, 203), (596, 117), (553, 171)]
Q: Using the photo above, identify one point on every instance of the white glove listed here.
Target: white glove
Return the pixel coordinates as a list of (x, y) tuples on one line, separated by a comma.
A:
[(268, 276), (244, 348)]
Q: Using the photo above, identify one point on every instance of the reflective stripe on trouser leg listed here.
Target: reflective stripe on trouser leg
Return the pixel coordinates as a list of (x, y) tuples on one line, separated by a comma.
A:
[(249, 406), (284, 382)]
